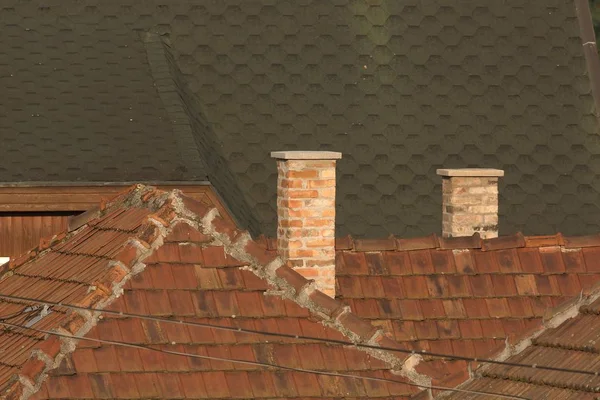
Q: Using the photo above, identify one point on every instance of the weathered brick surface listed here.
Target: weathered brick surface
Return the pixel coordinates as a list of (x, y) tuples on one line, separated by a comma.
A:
[(470, 205), (306, 219)]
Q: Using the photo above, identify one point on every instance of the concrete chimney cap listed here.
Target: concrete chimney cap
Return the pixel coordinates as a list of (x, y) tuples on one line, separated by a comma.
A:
[(306, 155), (471, 172)]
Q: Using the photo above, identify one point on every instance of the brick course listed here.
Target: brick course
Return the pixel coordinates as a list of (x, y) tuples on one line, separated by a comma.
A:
[(306, 214)]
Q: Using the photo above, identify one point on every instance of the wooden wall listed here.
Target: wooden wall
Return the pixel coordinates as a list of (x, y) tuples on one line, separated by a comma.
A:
[(28, 214), (20, 232)]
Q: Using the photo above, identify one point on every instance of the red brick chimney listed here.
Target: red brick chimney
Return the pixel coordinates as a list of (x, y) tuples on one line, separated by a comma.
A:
[(470, 201), (306, 214)]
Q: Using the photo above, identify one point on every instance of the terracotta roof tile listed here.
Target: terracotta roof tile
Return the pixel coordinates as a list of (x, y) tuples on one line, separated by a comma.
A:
[(80, 386), (543, 241), (307, 386), (504, 285), (208, 278), (147, 384), (261, 384), (284, 384), (59, 388), (520, 307), (476, 308), (458, 286), (170, 385), (464, 300), (465, 263), (508, 261), (437, 286), (442, 346), (427, 242), (463, 242), (569, 284), (129, 359), (376, 264), (503, 242), (582, 241), (552, 260), (294, 310), (354, 263), (367, 308), (465, 348), (470, 329), (162, 276), (481, 285), (192, 384), (573, 261), (410, 309), (433, 309), (443, 261), (591, 255), (398, 262), (426, 330), (415, 287), (421, 262), (546, 285), (183, 232), (391, 286), (454, 308), (488, 347), (530, 260), (484, 263), (404, 330)]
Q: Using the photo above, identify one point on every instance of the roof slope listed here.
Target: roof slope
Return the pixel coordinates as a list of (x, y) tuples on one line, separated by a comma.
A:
[(465, 296), (478, 298), (573, 344), (165, 255), (401, 88), (88, 102), (162, 254)]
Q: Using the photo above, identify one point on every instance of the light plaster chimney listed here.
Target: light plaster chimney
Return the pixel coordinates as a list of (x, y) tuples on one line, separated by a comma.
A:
[(470, 201)]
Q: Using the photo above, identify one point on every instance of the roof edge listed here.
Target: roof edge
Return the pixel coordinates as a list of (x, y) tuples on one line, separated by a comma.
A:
[(102, 183), (590, 49), (435, 242)]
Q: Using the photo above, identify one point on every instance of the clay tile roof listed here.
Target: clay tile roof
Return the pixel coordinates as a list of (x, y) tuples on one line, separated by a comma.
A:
[(572, 344), (165, 255), (467, 296)]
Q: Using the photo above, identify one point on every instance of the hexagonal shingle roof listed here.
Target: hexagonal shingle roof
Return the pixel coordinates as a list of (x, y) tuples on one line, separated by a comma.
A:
[(401, 88)]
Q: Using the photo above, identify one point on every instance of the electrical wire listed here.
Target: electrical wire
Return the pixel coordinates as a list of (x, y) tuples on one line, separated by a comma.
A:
[(261, 364), (13, 315), (303, 337)]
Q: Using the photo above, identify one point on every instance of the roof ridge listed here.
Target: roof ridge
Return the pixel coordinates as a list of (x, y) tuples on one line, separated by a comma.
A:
[(293, 286), (169, 209), (125, 264), (76, 222), (583, 349), (542, 382), (435, 242), (163, 69)]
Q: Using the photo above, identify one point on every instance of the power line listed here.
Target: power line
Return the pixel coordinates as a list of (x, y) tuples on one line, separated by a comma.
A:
[(261, 364), (303, 337)]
